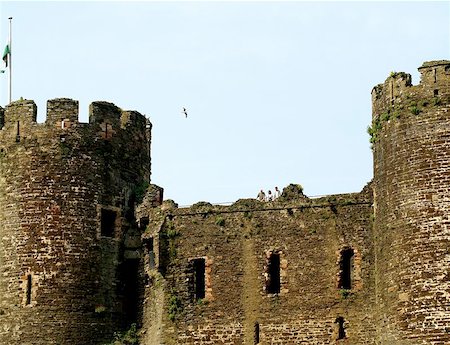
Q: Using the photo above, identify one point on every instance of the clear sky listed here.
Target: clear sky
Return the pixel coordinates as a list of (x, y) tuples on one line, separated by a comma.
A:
[(276, 92)]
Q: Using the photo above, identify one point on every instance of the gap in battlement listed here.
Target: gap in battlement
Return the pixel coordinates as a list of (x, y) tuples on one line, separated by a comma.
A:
[(41, 104), (41, 109), (83, 111)]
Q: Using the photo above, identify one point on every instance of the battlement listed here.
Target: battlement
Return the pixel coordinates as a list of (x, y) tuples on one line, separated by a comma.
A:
[(62, 109), (105, 119), (397, 92), (292, 198), (66, 108), (22, 110)]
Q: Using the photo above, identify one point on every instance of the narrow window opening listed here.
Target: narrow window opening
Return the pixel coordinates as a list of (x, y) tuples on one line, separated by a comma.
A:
[(256, 333), (436, 92), (143, 223), (108, 130), (148, 244), (273, 268), (108, 222), (341, 330), (199, 278), (18, 132), (28, 296), (346, 263), (435, 75)]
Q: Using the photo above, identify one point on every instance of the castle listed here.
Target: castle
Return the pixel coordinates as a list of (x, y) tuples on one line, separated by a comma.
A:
[(88, 246)]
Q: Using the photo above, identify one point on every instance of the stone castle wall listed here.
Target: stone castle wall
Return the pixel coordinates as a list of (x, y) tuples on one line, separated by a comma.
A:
[(87, 246), (66, 208), (399, 242), (236, 243), (411, 150)]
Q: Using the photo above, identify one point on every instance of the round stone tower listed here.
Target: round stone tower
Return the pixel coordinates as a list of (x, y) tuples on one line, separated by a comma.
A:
[(411, 146), (67, 193)]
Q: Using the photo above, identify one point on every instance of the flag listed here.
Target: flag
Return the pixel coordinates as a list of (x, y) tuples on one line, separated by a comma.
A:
[(6, 55)]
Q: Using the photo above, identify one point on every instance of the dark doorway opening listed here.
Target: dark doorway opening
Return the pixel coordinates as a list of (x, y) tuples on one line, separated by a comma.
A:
[(130, 289)]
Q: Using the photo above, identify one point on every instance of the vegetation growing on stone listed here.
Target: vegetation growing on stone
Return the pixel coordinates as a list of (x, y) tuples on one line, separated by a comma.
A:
[(345, 293), (220, 221), (139, 191), (129, 337), (173, 307), (414, 110)]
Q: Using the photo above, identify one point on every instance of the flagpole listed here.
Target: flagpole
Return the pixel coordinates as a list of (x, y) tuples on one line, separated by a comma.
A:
[(9, 62)]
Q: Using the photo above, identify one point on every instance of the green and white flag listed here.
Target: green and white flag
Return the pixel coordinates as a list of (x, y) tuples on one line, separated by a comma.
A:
[(6, 54)]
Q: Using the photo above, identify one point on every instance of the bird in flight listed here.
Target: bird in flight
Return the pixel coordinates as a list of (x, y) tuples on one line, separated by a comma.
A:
[(185, 111)]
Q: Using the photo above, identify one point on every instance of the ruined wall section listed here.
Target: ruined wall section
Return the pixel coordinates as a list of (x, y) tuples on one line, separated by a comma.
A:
[(236, 243), (411, 147), (66, 190)]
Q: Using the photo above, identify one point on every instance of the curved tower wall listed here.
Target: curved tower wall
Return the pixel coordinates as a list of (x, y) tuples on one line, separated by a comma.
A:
[(411, 147), (66, 202)]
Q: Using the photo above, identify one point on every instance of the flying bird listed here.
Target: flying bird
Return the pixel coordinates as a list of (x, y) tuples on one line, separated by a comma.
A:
[(185, 111)]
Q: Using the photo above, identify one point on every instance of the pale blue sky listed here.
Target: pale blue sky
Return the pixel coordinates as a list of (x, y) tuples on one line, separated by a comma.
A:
[(277, 93)]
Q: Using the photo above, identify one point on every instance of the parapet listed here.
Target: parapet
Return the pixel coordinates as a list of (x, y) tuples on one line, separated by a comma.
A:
[(397, 91), (105, 119), (61, 111), (435, 72), (21, 111), (104, 112)]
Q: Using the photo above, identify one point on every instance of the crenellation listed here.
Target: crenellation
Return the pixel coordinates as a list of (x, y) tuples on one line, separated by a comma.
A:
[(132, 119), (100, 112), (397, 93), (62, 112), (435, 74), (23, 111)]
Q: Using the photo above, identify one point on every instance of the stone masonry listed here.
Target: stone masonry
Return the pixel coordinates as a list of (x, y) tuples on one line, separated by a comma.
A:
[(394, 234), (88, 246), (67, 193)]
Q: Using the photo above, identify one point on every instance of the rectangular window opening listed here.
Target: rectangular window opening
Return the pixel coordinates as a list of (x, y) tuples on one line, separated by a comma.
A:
[(346, 269), (435, 92), (28, 291), (108, 222), (199, 278), (273, 271)]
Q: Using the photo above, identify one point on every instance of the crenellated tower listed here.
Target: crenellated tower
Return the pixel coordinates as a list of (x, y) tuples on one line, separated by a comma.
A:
[(411, 147), (69, 246)]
